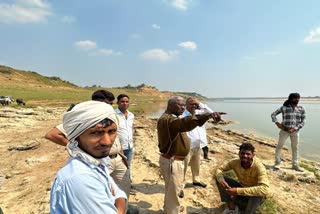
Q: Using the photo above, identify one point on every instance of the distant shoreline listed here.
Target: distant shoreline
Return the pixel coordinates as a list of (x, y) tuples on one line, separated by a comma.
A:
[(264, 98)]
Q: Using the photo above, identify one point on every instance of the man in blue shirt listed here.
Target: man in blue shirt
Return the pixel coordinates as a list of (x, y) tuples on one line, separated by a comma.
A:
[(84, 185)]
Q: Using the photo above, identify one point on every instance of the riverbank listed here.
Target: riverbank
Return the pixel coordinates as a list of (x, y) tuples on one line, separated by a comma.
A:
[(29, 164)]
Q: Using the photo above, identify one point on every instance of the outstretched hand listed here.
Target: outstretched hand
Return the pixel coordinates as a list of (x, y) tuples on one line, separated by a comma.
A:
[(221, 113), (216, 116)]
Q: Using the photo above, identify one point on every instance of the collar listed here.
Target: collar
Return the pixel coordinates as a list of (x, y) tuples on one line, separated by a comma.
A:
[(120, 112), (253, 161), (186, 113)]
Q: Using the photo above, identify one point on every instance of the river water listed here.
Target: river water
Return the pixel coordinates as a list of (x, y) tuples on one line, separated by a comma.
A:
[(253, 116)]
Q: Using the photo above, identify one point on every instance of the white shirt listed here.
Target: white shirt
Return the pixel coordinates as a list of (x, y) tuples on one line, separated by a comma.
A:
[(198, 136), (125, 129), (204, 109)]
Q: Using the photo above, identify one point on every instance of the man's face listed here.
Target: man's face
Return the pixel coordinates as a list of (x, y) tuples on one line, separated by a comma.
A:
[(179, 107), (246, 157), (97, 141), (123, 103), (295, 101), (192, 105)]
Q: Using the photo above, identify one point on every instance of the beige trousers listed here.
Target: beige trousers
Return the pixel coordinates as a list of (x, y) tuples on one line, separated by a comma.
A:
[(172, 172), (193, 160), (120, 174), (294, 137)]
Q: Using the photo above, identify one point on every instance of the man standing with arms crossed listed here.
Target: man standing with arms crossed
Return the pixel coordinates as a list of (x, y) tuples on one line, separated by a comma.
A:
[(293, 119)]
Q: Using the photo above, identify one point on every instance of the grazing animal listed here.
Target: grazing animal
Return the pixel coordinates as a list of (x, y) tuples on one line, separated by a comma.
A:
[(4, 102), (20, 102)]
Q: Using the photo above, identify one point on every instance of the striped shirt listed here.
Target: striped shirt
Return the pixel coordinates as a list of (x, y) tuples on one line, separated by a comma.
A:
[(292, 117), (254, 180)]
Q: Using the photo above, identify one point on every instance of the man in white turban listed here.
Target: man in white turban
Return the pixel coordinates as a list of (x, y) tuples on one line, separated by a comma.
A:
[(83, 185)]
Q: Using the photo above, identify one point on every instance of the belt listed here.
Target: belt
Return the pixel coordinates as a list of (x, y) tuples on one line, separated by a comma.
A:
[(113, 156), (173, 157)]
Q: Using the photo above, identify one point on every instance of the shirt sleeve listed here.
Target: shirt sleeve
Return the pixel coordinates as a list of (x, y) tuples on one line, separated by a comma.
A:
[(303, 120), (204, 109), (86, 193), (262, 187), (226, 166), (274, 114), (186, 124)]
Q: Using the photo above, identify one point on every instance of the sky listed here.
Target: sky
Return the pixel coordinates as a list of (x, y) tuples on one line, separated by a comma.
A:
[(218, 48)]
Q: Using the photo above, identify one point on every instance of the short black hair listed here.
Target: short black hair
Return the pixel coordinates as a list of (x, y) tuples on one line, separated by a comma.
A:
[(120, 96), (102, 95), (105, 123), (247, 146), (293, 96)]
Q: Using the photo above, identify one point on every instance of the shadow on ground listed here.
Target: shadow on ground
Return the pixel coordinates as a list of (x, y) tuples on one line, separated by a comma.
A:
[(149, 189)]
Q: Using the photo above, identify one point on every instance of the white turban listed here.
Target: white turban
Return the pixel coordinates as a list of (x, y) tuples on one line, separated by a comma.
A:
[(82, 117), (85, 115)]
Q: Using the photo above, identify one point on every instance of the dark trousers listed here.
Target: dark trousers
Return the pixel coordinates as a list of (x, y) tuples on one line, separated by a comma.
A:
[(205, 152), (251, 203)]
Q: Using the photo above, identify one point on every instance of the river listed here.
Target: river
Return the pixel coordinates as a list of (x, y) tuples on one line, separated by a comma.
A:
[(253, 116)]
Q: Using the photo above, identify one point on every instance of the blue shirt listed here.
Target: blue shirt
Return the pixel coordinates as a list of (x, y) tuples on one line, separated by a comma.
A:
[(81, 187)]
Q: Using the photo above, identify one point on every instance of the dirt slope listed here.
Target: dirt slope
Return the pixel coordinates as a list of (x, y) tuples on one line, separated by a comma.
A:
[(26, 176)]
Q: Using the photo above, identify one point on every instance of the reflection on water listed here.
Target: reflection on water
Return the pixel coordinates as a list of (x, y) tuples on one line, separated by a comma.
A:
[(253, 116)]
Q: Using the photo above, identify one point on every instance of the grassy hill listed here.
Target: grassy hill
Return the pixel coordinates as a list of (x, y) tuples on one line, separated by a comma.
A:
[(38, 90)]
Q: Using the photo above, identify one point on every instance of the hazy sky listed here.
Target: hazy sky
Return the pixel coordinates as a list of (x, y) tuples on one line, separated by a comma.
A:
[(217, 48)]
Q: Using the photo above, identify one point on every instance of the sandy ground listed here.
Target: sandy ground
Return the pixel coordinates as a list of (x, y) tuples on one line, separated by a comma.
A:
[(29, 164)]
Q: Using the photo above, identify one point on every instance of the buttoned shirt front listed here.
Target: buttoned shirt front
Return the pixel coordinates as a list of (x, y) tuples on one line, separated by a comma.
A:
[(198, 135), (81, 187), (254, 180), (292, 117), (125, 129)]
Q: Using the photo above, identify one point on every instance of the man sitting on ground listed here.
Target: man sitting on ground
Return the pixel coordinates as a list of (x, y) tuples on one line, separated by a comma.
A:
[(252, 187)]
